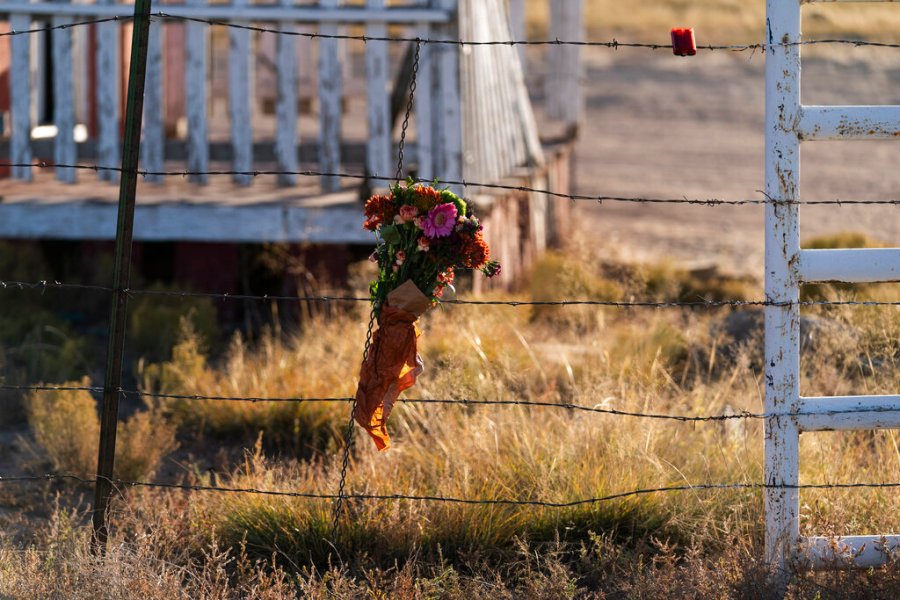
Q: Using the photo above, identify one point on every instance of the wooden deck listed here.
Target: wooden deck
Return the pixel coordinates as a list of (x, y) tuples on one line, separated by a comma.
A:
[(222, 211)]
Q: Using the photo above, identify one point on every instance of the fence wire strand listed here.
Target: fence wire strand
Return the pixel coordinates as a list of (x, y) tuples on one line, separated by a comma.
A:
[(467, 402), (124, 483), (465, 184), (613, 44), (42, 286)]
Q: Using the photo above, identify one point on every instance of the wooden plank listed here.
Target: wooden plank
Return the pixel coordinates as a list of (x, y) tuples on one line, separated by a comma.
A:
[(424, 108), (565, 96), (20, 98), (152, 153), (447, 99), (517, 27), (195, 87), (378, 146), (63, 106), (108, 98), (286, 135), (330, 93), (239, 77)]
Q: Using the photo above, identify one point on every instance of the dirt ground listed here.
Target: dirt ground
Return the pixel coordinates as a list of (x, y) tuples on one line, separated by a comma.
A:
[(662, 126)]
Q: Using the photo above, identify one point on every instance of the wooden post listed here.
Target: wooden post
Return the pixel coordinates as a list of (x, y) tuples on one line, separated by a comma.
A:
[(63, 105), (108, 97), (565, 96), (152, 154), (20, 98), (330, 93), (118, 311), (240, 76), (195, 87), (447, 101), (378, 146), (286, 136), (517, 26)]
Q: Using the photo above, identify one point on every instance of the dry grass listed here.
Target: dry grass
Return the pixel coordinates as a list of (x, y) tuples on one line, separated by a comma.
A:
[(723, 21), (67, 428), (694, 544)]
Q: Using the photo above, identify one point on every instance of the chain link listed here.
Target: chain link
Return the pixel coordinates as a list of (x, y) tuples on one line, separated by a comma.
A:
[(409, 108), (373, 316)]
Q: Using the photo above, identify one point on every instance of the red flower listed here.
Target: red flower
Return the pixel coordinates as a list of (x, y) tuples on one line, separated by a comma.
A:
[(379, 210)]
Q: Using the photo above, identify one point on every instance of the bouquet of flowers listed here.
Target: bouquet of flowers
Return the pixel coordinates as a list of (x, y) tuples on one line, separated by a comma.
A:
[(425, 236)]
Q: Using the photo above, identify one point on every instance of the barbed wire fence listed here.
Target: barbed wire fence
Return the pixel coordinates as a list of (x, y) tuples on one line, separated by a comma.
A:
[(117, 391)]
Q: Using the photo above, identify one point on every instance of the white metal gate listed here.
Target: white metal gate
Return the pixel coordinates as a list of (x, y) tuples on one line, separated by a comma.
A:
[(788, 122)]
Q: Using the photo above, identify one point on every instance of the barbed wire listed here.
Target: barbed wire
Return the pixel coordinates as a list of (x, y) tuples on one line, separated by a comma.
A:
[(124, 483), (464, 183), (43, 285), (597, 409), (61, 26), (612, 43), (48, 284)]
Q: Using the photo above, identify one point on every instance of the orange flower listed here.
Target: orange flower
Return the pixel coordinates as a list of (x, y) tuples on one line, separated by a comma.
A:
[(475, 252), (379, 210), (427, 198)]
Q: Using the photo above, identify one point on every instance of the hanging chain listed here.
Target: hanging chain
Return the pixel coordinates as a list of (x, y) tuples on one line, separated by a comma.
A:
[(409, 108), (373, 315)]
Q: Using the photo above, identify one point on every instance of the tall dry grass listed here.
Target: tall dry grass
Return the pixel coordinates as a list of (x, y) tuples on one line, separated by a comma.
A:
[(695, 543)]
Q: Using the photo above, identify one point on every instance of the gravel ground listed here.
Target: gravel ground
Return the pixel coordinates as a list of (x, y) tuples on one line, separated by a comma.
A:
[(661, 126)]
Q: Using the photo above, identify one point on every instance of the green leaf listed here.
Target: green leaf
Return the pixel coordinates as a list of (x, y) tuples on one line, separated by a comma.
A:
[(391, 234)]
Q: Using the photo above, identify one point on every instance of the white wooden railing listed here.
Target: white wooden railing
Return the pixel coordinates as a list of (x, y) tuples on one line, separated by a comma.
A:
[(438, 112), (788, 123)]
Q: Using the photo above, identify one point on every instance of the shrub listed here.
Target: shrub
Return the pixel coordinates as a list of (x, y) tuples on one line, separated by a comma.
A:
[(154, 322), (66, 425)]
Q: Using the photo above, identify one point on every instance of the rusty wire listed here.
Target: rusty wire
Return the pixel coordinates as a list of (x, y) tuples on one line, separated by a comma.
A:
[(465, 402), (467, 184)]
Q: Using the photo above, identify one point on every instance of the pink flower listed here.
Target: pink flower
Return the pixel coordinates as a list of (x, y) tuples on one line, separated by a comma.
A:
[(424, 246), (401, 257), (408, 213), (440, 220), (420, 222)]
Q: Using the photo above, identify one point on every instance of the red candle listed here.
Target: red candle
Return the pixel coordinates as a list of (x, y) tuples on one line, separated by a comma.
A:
[(683, 43)]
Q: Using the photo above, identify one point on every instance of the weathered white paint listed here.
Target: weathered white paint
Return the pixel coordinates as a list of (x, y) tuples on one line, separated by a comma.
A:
[(286, 137), (565, 96), (856, 265), (108, 101), (849, 413), (266, 13), (378, 78), (787, 123), (152, 144), (425, 142), (330, 98), (849, 123), (20, 100), (63, 106), (782, 282), (447, 101), (517, 26), (203, 222), (195, 88), (858, 551), (240, 76)]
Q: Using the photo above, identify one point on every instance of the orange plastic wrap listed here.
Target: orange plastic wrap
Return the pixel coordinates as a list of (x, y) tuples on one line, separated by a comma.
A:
[(393, 363)]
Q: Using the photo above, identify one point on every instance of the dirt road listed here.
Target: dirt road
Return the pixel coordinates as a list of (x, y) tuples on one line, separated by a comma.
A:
[(658, 125)]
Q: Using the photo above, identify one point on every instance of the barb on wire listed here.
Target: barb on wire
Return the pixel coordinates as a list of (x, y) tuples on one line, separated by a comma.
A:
[(64, 25), (124, 483), (466, 184), (45, 285), (597, 409)]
